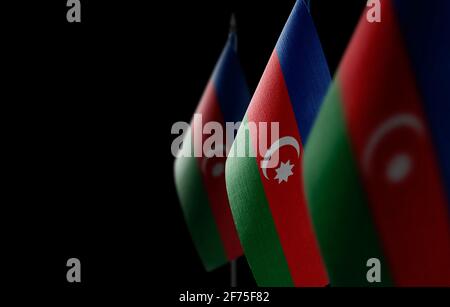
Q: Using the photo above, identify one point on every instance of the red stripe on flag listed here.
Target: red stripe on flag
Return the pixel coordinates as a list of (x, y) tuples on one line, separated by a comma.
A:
[(213, 174), (392, 142), (287, 202)]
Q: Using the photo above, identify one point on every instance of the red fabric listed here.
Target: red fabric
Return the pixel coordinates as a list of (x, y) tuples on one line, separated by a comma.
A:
[(287, 202), (215, 186), (410, 213)]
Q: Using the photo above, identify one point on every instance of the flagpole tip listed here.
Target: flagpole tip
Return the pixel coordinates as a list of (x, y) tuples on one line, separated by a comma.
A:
[(233, 24)]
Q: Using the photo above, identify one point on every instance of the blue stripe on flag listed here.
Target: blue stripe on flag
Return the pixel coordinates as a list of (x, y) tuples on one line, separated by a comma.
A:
[(304, 67), (230, 84), (425, 25)]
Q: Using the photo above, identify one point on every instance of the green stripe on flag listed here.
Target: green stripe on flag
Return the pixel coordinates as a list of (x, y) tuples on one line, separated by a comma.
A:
[(197, 212), (337, 201), (253, 218)]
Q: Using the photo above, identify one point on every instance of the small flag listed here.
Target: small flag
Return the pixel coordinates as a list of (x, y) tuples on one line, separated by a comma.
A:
[(200, 181), (268, 204), (376, 166)]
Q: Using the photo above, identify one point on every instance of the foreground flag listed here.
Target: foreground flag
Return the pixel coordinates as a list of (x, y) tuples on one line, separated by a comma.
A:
[(376, 166), (200, 181), (268, 204)]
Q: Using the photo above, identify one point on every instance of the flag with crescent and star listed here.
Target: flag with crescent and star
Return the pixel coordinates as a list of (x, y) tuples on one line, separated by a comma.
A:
[(200, 181), (266, 194), (377, 164)]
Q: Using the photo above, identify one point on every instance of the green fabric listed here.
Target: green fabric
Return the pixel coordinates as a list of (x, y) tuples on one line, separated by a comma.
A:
[(337, 201), (253, 218), (197, 212)]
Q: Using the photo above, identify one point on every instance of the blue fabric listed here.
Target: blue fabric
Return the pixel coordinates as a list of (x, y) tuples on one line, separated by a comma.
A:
[(230, 84), (308, 4), (425, 26), (304, 67)]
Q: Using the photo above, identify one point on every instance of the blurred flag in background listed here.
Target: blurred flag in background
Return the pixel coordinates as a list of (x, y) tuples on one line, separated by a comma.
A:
[(377, 163), (200, 181)]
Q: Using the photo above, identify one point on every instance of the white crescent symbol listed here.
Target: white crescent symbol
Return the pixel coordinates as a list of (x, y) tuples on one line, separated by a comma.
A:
[(285, 141), (400, 164), (218, 168)]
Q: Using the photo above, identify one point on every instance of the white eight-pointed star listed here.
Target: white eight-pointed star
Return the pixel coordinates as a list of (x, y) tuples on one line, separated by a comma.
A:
[(284, 171)]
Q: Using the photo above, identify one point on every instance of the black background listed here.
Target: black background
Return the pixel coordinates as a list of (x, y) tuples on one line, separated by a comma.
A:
[(92, 105)]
